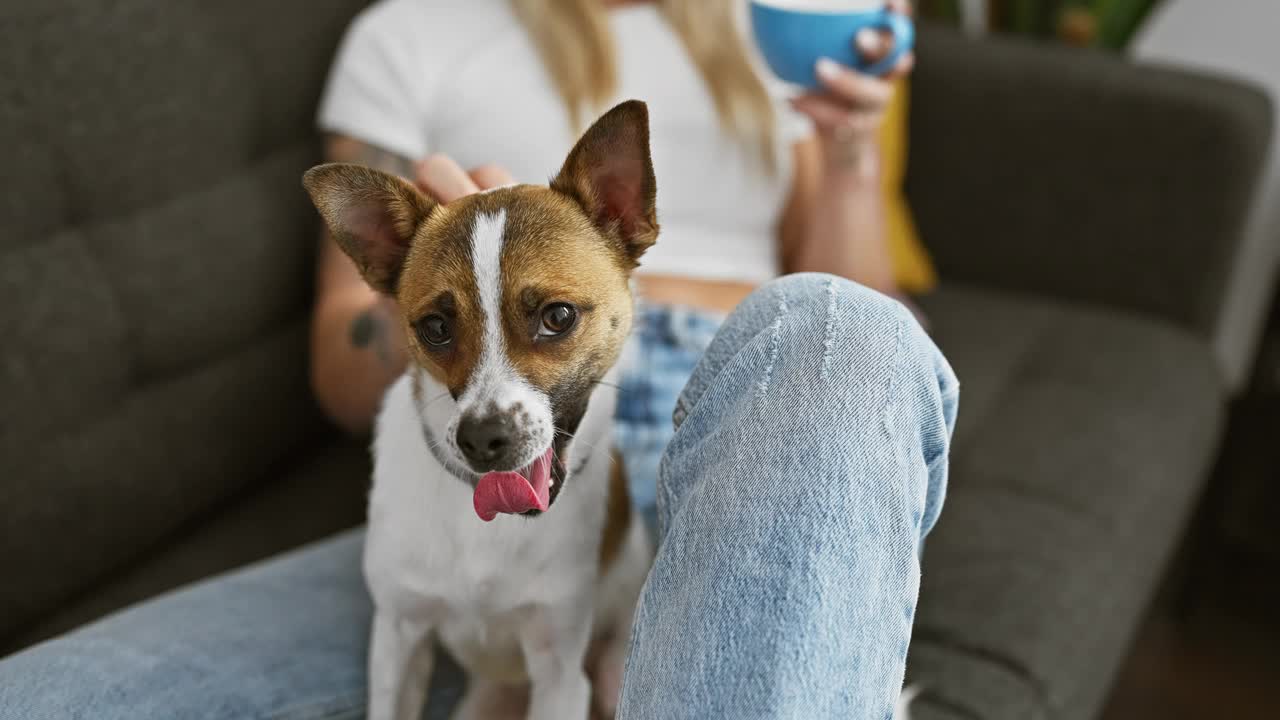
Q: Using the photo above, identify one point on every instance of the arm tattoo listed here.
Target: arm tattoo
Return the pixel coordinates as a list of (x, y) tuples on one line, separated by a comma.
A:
[(369, 329)]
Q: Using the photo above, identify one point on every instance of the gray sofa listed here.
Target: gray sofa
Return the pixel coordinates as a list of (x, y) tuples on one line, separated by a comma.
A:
[(155, 270)]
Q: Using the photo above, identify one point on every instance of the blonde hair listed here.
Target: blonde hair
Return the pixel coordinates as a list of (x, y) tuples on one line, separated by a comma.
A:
[(576, 47)]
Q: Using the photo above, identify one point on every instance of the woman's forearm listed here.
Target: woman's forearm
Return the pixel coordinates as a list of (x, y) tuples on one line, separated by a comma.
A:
[(358, 344), (844, 232), (357, 350), (835, 221), (357, 341)]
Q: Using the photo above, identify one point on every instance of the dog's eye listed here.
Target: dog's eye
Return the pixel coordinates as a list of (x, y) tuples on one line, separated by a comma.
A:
[(434, 330), (558, 319)]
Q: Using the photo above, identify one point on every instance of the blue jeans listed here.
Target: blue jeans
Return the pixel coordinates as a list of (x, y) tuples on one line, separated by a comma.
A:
[(807, 463), (661, 354)]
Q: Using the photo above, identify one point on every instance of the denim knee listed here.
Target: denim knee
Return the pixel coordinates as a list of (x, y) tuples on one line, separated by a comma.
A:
[(842, 366), (809, 318)]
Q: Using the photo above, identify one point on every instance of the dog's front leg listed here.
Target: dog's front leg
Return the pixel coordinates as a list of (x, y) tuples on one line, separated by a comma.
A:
[(554, 642), (401, 657)]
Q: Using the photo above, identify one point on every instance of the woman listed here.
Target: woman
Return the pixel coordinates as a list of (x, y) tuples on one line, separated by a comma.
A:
[(747, 189), (808, 457)]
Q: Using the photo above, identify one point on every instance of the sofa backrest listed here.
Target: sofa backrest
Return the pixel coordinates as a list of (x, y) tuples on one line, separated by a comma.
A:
[(156, 254)]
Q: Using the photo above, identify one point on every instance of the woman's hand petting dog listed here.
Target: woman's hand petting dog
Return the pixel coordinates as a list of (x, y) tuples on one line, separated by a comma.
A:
[(445, 181)]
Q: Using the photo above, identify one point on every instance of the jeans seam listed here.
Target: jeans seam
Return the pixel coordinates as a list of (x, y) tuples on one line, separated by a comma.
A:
[(889, 419), (775, 344), (828, 336), (682, 408)]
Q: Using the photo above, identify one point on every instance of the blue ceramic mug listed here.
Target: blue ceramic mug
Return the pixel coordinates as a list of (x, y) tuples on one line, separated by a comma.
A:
[(793, 34)]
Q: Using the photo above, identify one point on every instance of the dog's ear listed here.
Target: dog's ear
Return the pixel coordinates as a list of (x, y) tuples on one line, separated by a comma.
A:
[(610, 174), (371, 214)]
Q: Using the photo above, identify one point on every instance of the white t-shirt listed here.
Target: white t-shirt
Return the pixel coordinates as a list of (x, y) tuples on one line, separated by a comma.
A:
[(461, 77)]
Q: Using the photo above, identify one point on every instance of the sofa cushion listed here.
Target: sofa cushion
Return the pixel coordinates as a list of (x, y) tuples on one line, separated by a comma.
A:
[(318, 495), (155, 272), (1082, 441)]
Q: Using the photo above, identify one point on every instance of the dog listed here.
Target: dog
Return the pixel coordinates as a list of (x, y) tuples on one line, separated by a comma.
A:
[(499, 522)]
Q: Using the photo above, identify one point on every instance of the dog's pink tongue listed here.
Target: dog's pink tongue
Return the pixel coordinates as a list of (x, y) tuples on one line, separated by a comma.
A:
[(514, 492)]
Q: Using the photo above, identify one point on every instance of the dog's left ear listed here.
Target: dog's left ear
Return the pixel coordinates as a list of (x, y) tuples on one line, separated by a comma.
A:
[(610, 174), (372, 215)]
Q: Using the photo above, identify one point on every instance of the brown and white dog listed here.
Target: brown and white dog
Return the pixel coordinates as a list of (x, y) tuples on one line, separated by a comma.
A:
[(498, 523)]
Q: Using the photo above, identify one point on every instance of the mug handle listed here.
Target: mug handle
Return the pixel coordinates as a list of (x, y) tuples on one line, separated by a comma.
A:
[(904, 35)]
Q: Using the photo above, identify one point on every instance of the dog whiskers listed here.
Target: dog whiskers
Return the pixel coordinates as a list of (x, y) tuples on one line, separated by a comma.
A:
[(432, 443)]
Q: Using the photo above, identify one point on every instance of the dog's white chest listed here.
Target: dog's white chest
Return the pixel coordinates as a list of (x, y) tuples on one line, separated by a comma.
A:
[(427, 551)]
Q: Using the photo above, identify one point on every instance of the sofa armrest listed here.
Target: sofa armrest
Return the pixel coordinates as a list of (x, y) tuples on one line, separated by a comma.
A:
[(1083, 176)]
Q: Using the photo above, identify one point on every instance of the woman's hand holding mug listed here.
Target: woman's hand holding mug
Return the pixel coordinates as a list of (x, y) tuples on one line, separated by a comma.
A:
[(847, 54)]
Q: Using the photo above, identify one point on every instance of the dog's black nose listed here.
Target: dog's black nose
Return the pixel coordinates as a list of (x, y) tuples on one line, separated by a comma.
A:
[(485, 440)]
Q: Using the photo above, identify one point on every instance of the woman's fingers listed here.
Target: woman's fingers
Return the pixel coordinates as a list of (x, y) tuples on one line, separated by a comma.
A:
[(829, 115), (876, 49), (872, 44), (491, 176), (443, 179), (904, 66), (852, 87)]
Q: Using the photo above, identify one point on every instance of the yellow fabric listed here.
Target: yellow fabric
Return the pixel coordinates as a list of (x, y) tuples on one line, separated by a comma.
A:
[(912, 266)]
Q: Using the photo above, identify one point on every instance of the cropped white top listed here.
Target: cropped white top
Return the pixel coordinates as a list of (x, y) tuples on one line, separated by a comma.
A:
[(461, 77)]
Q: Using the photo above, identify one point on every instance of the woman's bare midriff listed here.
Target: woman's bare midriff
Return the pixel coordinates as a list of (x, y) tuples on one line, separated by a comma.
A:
[(719, 296)]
